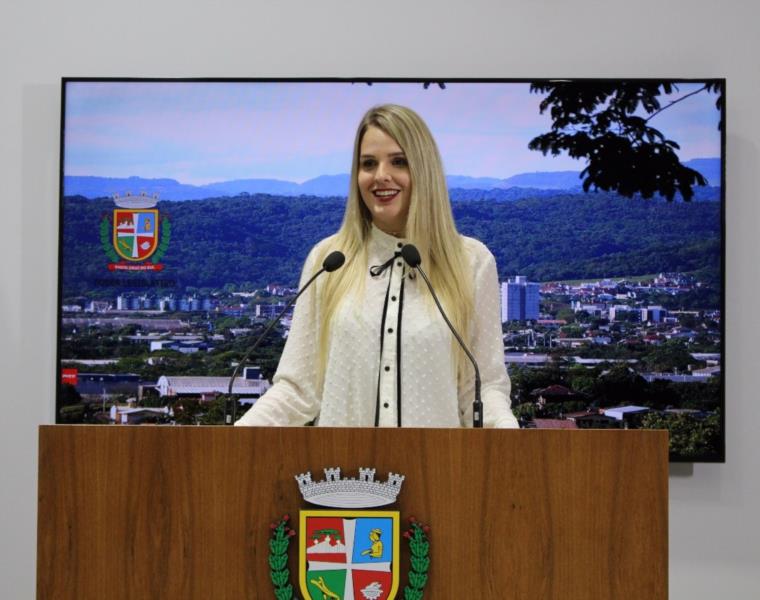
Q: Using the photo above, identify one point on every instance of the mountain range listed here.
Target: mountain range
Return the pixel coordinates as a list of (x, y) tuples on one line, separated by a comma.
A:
[(336, 185)]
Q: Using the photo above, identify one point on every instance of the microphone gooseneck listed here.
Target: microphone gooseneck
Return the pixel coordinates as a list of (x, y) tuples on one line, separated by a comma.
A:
[(332, 262), (412, 257)]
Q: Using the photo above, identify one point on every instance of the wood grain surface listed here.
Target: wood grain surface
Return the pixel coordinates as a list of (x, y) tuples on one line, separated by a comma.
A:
[(143, 512)]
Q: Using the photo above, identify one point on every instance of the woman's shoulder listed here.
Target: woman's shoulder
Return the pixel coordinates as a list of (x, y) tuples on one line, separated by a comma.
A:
[(321, 249), (481, 261), (476, 250)]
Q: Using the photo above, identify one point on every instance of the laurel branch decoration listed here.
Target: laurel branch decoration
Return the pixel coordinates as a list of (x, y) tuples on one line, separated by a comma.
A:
[(419, 547), (105, 239), (166, 236), (279, 542)]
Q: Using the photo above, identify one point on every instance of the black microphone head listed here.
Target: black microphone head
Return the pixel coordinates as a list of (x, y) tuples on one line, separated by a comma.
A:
[(334, 261), (411, 255)]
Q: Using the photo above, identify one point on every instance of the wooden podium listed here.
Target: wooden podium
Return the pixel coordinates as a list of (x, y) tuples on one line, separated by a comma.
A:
[(145, 512)]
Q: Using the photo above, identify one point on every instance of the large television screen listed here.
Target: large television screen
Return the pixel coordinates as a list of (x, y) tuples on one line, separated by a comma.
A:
[(188, 207)]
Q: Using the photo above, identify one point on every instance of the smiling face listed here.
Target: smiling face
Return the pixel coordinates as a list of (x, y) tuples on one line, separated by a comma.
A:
[(384, 180)]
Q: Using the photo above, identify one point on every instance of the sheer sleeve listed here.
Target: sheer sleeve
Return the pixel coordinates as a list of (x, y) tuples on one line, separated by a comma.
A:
[(487, 347), (293, 398)]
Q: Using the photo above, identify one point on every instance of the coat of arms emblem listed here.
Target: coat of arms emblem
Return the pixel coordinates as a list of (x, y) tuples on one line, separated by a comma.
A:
[(135, 233), (347, 552), (138, 232)]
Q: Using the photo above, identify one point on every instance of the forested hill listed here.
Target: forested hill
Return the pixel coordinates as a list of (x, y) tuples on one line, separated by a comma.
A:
[(578, 236), (262, 239)]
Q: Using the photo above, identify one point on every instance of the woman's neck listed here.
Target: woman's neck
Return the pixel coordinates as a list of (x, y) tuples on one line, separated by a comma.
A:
[(397, 234)]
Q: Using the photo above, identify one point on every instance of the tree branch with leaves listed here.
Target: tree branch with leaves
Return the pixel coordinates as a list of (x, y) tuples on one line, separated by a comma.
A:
[(608, 124)]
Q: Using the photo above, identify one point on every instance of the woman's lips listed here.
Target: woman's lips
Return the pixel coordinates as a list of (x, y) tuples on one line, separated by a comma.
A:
[(384, 196)]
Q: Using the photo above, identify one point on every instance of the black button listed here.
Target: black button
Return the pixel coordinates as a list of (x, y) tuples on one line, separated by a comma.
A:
[(390, 329), (387, 368), (393, 298), (400, 245), (398, 264), (385, 405)]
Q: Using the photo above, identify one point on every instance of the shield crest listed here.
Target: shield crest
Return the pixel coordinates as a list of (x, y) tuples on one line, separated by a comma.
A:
[(349, 555), (135, 233)]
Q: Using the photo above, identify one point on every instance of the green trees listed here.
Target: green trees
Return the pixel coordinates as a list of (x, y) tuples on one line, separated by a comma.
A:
[(672, 356), (608, 125), (259, 240), (70, 406), (214, 411), (224, 324), (582, 380), (68, 395), (192, 411), (690, 436), (615, 384), (539, 238), (525, 380)]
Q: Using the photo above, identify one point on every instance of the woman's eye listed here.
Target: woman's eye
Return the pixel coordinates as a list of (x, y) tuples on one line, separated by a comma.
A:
[(368, 163), (400, 162)]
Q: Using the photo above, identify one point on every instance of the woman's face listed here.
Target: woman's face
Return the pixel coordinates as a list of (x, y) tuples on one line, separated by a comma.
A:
[(384, 180)]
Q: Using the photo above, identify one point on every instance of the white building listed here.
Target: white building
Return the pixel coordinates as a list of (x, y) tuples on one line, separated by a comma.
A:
[(249, 387)]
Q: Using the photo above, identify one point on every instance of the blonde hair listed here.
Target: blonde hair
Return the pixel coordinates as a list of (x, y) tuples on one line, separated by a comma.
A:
[(429, 226)]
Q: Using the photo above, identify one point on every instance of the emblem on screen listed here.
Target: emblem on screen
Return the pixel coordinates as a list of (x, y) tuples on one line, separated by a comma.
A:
[(135, 236)]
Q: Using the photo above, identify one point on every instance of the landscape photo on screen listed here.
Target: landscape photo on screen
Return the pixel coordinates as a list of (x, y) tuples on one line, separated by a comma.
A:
[(188, 208)]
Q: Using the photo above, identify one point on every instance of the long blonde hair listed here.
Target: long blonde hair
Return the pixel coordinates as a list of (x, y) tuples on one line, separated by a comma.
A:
[(430, 226)]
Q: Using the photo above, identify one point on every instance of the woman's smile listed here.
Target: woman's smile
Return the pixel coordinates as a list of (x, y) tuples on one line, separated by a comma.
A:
[(385, 195)]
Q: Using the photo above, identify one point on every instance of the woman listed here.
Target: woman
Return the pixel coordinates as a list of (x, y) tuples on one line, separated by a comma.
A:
[(367, 345)]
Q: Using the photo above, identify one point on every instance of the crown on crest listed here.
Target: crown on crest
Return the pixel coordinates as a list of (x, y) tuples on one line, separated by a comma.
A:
[(143, 200), (337, 492)]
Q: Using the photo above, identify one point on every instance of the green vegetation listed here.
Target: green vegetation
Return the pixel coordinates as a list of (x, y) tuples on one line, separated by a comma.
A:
[(247, 242), (614, 384), (134, 355), (540, 238), (691, 436)]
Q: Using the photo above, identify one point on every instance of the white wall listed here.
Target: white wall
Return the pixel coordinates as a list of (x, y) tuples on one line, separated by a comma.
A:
[(715, 530)]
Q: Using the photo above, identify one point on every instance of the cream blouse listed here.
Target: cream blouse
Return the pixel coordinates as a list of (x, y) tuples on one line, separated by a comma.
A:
[(389, 356)]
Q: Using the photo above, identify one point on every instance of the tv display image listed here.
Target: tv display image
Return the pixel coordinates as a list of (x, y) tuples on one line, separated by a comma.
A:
[(188, 207)]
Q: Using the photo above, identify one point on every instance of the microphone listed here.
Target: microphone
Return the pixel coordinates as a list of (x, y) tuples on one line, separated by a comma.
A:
[(332, 262), (412, 257)]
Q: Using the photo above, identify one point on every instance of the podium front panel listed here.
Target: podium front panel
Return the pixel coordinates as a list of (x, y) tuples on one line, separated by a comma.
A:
[(144, 512)]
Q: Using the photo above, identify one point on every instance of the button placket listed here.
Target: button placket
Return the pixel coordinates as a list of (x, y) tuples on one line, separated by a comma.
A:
[(388, 374)]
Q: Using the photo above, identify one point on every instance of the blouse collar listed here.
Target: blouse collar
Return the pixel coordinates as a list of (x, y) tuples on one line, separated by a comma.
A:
[(385, 242)]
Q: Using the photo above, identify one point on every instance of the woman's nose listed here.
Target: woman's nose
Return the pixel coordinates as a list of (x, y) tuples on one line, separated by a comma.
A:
[(382, 172)]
